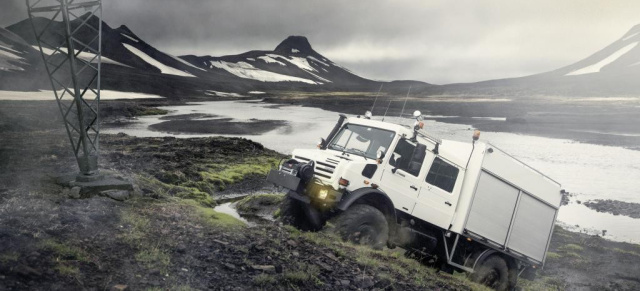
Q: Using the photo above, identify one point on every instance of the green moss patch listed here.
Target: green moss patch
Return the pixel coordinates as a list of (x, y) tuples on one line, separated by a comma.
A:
[(255, 203), (222, 175)]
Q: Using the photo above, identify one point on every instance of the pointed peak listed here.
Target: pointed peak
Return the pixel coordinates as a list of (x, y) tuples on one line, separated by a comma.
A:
[(294, 44)]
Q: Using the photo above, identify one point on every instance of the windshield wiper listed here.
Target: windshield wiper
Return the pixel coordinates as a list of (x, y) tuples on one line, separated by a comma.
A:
[(336, 147), (357, 152)]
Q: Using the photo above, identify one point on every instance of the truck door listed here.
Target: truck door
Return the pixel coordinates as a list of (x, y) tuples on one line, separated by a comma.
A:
[(400, 177), (438, 195)]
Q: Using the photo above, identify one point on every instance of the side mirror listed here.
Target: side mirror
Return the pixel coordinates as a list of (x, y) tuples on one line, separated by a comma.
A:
[(379, 156), (396, 163)]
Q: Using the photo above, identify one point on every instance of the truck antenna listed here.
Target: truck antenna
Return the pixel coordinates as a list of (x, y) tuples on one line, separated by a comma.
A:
[(374, 100), (405, 101), (385, 112)]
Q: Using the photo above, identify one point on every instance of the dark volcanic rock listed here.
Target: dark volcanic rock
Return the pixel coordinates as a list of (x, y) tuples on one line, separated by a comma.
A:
[(294, 43), (615, 207), (217, 126)]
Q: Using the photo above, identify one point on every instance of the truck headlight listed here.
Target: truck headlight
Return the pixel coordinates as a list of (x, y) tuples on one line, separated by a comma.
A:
[(322, 194)]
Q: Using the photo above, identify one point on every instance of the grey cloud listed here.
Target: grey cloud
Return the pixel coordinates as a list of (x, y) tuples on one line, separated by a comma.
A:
[(433, 41)]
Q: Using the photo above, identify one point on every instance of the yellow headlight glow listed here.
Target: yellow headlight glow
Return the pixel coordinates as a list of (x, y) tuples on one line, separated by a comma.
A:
[(322, 194)]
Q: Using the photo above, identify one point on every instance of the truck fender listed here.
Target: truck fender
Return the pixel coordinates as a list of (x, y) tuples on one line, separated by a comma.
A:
[(375, 198)]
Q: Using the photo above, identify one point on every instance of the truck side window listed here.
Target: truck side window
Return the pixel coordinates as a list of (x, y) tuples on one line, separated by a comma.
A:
[(408, 157), (442, 175)]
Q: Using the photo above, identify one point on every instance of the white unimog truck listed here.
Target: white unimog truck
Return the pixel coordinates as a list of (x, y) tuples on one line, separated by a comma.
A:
[(459, 206)]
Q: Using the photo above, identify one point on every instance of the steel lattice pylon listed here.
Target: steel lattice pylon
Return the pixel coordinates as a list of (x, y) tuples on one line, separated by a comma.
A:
[(69, 34)]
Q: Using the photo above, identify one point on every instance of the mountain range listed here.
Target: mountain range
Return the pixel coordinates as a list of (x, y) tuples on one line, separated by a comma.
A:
[(131, 64)]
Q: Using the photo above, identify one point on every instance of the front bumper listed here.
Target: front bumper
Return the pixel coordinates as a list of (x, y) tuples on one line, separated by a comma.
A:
[(285, 180), (312, 192)]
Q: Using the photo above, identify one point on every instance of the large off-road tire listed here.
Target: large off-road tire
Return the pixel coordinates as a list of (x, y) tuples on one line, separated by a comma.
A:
[(291, 213), (492, 272), (362, 224)]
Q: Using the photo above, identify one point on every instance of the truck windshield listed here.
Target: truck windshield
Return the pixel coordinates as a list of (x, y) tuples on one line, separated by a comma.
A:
[(362, 140)]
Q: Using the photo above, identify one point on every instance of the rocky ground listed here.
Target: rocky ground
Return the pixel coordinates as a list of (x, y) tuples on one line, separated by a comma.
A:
[(168, 237), (615, 207)]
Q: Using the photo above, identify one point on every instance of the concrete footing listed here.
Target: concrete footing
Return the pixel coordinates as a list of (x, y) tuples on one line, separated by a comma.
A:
[(107, 183)]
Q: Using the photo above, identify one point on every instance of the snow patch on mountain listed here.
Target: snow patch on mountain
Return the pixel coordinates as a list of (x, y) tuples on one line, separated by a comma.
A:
[(49, 95), (86, 56), (297, 61), (186, 63), (9, 49), (294, 50), (251, 59), (10, 55), (599, 65), (131, 38), (163, 68), (222, 94), (320, 78), (6, 56), (247, 71), (269, 59), (318, 61)]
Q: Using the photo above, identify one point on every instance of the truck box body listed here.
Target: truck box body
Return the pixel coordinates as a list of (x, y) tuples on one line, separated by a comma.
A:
[(507, 204)]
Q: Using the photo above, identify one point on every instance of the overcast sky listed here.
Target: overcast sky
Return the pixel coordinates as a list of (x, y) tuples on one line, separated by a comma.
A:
[(433, 41)]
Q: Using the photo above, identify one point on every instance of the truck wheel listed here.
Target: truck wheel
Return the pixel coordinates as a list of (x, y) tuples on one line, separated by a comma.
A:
[(363, 224), (291, 213), (492, 272)]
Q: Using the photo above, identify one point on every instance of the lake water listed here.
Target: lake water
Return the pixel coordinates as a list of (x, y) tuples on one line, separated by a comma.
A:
[(585, 170)]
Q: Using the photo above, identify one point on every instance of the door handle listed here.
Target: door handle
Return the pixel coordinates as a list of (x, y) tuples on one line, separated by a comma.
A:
[(413, 187), (400, 174), (447, 202)]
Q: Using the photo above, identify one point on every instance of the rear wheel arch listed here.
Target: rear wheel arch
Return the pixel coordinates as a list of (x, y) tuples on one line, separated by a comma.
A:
[(477, 259)]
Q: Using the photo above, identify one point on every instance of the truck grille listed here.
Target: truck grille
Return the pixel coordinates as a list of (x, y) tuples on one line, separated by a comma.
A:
[(323, 169)]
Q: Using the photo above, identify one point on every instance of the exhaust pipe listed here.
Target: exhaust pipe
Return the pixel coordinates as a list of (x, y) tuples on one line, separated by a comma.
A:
[(334, 131)]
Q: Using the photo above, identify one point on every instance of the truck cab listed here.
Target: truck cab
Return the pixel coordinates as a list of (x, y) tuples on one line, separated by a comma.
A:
[(457, 206)]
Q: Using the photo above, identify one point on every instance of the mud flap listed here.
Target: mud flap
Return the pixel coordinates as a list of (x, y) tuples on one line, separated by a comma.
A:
[(313, 215)]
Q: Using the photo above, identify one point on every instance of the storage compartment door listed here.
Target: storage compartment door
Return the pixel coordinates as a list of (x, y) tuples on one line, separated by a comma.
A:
[(492, 208), (532, 227)]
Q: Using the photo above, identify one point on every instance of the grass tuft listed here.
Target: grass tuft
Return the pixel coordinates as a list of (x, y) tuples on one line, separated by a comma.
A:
[(263, 280), (66, 270), (571, 248), (137, 225), (65, 251), (9, 257), (154, 258), (625, 252)]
